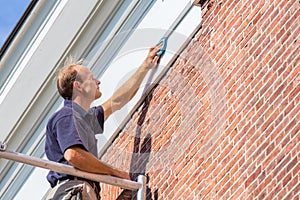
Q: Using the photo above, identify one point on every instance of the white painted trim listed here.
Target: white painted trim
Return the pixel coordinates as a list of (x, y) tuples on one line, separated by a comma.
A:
[(38, 64), (31, 49), (23, 38), (41, 95), (31, 107)]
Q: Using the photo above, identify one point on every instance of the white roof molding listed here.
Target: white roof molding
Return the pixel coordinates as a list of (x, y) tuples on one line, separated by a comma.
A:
[(95, 29), (38, 50)]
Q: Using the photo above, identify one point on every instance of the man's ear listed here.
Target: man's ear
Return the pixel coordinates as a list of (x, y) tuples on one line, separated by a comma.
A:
[(76, 85)]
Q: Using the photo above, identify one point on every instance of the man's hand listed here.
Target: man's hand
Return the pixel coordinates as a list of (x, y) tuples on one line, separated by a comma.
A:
[(152, 58), (123, 175), (126, 92)]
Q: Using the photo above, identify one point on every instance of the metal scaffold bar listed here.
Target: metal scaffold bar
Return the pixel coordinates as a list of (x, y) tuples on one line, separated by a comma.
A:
[(141, 194), (66, 169)]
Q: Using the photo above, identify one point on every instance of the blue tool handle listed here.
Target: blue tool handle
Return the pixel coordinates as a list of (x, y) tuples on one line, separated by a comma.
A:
[(163, 41)]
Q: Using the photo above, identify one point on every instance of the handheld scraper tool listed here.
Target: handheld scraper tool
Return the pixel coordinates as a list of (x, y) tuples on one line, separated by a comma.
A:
[(172, 28)]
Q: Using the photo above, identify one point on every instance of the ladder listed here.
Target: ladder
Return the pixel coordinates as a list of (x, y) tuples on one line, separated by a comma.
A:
[(139, 186)]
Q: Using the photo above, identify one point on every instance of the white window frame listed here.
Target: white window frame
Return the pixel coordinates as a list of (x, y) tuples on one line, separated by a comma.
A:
[(24, 129)]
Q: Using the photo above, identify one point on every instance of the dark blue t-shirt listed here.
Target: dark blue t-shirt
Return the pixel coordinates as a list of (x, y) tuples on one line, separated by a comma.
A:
[(71, 126)]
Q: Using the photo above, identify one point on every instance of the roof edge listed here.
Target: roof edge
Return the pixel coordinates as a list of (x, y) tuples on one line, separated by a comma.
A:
[(18, 26)]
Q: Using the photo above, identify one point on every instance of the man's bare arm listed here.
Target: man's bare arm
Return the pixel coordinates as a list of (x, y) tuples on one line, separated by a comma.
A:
[(127, 91), (85, 161)]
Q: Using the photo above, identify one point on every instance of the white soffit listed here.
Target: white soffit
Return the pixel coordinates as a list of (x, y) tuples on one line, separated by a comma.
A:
[(37, 61), (33, 89), (131, 55)]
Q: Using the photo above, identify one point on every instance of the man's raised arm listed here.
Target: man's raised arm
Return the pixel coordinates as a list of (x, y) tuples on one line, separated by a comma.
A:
[(127, 91)]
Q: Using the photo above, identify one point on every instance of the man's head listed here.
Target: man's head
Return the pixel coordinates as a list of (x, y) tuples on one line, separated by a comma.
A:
[(75, 79)]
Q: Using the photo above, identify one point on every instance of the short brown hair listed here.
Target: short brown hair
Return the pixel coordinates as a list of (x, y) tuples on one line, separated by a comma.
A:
[(66, 77)]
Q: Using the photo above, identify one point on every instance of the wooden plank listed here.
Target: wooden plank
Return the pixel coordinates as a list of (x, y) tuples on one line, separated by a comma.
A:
[(67, 169)]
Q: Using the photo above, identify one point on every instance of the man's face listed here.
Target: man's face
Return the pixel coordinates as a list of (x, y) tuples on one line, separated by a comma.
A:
[(89, 84)]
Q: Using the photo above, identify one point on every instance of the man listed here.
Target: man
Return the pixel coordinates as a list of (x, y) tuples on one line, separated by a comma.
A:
[(70, 134)]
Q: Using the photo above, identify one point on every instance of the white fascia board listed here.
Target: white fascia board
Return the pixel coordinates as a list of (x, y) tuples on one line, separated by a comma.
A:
[(36, 66), (69, 32), (38, 62)]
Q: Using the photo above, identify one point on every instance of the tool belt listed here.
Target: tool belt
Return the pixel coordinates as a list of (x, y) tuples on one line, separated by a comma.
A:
[(95, 185), (75, 189)]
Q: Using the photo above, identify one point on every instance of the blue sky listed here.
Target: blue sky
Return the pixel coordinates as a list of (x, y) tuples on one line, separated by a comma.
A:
[(11, 12)]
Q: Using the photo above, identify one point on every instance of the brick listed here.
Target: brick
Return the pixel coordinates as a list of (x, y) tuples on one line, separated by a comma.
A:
[(255, 50), (251, 178)]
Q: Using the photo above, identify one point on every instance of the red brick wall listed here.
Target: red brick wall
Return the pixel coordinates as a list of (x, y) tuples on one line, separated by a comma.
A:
[(223, 122)]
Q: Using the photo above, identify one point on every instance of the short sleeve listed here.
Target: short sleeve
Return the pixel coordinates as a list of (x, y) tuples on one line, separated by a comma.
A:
[(67, 134)]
